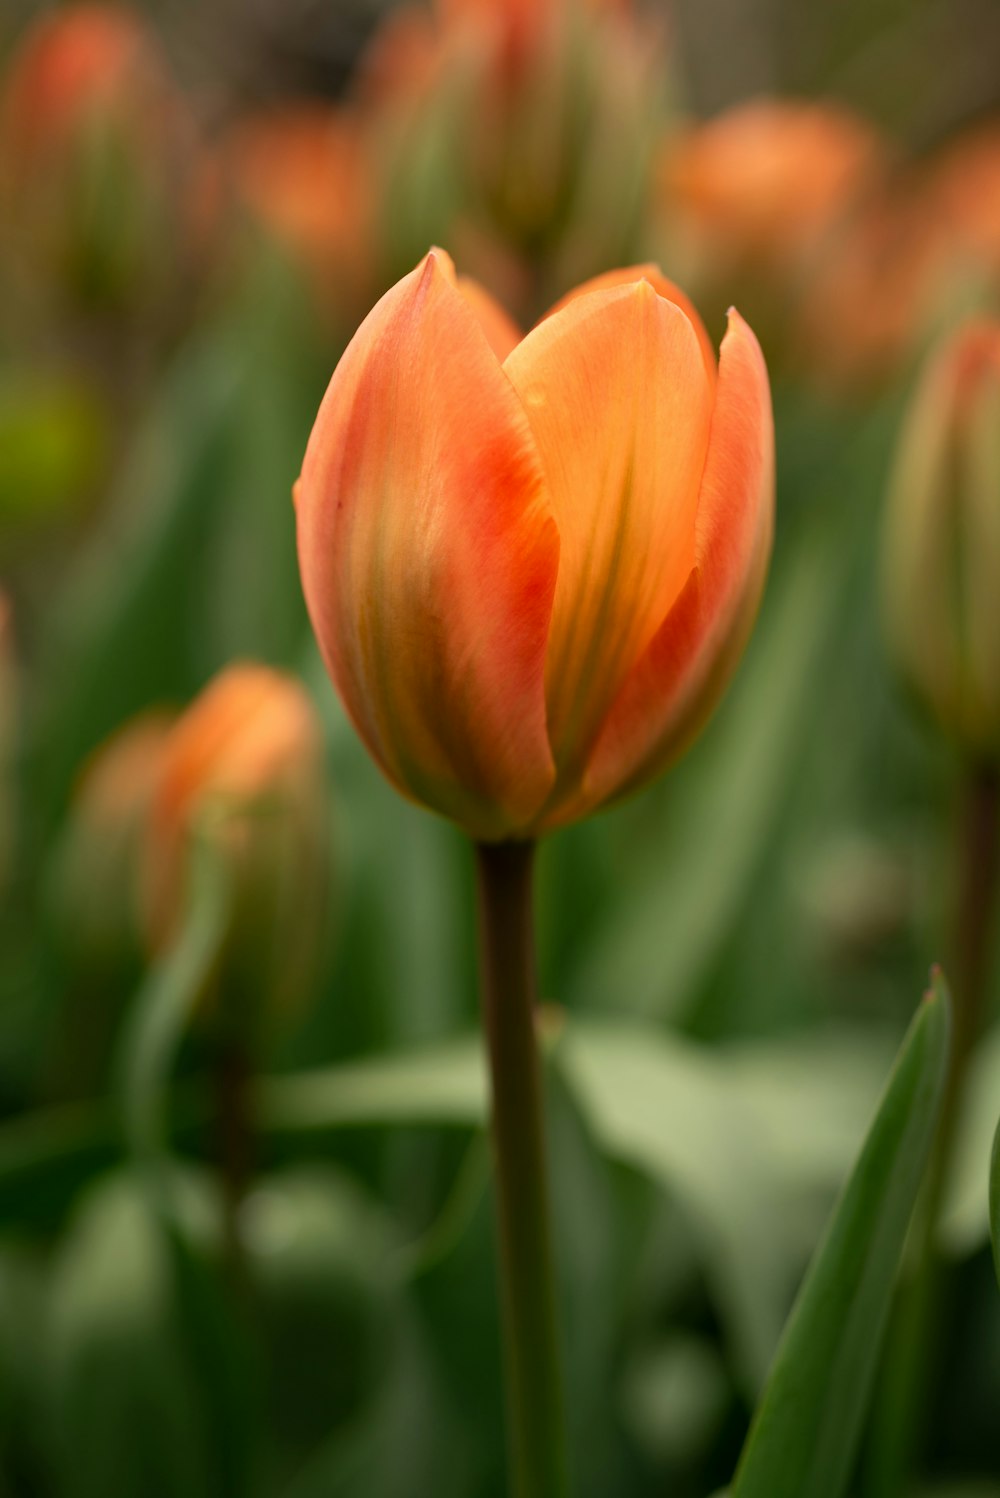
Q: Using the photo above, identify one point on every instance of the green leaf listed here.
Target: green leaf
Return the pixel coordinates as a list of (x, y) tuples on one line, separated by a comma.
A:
[(806, 1428), (660, 943), (964, 1225), (752, 1143), (995, 1200), (126, 1412)]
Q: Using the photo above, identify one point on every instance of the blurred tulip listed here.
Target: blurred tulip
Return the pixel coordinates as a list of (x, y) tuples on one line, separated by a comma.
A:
[(527, 126), (931, 231), (96, 147), (101, 858), (942, 545), (530, 580), (242, 772), (303, 174), (749, 198)]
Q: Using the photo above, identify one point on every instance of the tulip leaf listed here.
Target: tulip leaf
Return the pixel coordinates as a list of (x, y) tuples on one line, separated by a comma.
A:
[(804, 1435), (964, 1225), (995, 1200), (658, 945)]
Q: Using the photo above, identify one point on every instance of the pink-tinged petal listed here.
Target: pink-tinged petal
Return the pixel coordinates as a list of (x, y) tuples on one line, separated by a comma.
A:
[(615, 389), (429, 555), (663, 286), (502, 332), (676, 685)]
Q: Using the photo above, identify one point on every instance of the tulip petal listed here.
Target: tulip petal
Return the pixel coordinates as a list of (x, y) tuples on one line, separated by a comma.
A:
[(615, 389), (679, 680), (502, 332), (662, 286), (429, 555)]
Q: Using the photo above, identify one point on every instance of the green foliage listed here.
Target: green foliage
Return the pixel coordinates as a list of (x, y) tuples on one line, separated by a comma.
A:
[(805, 1432)]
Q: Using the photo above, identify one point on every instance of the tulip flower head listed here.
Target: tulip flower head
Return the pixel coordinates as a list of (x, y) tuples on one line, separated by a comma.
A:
[(942, 545), (102, 853), (96, 147), (532, 569), (242, 771)]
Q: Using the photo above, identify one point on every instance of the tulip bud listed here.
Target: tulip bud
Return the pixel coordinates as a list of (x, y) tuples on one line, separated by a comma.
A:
[(101, 856), (95, 145), (942, 544), (243, 773), (531, 573), (302, 173)]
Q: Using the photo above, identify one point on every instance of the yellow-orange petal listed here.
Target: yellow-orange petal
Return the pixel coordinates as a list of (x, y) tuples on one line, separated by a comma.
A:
[(615, 389), (429, 555), (502, 332), (663, 286), (679, 680)]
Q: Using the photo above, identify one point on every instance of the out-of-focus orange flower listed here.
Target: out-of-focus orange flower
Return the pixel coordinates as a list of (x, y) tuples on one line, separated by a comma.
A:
[(243, 770), (942, 543), (96, 148), (748, 199), (922, 248), (101, 858), (531, 579), (528, 124), (303, 172), (963, 193)]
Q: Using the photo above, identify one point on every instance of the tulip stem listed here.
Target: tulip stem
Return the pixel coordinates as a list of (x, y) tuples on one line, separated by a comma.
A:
[(527, 1280)]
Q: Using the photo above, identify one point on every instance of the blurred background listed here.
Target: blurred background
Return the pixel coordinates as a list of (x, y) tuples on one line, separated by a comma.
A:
[(245, 1216)]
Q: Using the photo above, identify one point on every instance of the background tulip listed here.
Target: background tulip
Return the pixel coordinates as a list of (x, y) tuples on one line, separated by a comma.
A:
[(531, 580), (242, 771), (942, 545)]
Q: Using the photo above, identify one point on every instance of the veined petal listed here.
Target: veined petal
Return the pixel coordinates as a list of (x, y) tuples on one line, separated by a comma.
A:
[(663, 287), (673, 689), (615, 389), (429, 555)]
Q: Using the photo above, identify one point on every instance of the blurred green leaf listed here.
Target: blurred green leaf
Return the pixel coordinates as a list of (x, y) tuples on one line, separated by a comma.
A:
[(805, 1431), (674, 1397), (754, 1143), (120, 635), (53, 440), (439, 1085), (995, 1200), (659, 943), (965, 1214), (127, 1408)]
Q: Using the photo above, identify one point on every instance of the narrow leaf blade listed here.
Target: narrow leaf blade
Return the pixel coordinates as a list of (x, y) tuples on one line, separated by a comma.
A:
[(804, 1435)]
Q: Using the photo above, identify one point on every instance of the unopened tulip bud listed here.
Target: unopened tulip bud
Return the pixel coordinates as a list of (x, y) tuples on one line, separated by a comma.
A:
[(243, 774), (531, 574), (95, 150), (942, 545), (100, 860)]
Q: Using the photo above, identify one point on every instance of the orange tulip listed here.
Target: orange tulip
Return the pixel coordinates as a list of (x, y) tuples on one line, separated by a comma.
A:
[(97, 148), (101, 855), (302, 172), (942, 545), (531, 577), (765, 181), (243, 768)]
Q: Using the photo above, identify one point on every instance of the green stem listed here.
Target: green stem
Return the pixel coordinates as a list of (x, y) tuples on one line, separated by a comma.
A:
[(528, 1296), (921, 1315)]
